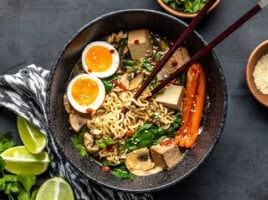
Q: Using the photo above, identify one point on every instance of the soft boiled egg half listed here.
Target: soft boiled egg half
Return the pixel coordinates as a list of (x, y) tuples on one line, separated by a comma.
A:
[(85, 93), (100, 58)]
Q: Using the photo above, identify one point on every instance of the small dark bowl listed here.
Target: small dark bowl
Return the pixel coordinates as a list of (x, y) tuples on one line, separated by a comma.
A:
[(126, 20)]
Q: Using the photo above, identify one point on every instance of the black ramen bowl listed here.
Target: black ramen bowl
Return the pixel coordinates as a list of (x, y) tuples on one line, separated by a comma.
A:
[(165, 25)]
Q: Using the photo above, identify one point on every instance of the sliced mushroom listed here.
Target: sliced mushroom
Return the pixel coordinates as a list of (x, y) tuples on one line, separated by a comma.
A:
[(89, 144), (66, 103), (78, 120), (136, 81), (139, 163)]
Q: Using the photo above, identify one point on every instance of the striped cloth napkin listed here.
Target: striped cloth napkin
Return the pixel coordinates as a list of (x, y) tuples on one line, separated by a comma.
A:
[(24, 93)]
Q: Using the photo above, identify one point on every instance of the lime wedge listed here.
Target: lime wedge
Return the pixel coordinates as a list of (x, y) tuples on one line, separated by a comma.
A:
[(55, 189), (31, 137), (20, 161)]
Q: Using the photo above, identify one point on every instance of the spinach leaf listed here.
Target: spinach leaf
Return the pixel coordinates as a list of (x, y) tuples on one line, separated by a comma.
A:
[(144, 137), (104, 142), (122, 172), (108, 82), (77, 140), (147, 65), (150, 134), (170, 132)]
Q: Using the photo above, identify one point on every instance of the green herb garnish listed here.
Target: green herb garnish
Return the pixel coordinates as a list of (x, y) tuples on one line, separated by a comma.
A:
[(147, 65), (104, 142), (108, 82), (14, 186), (187, 6), (77, 140), (122, 172), (150, 134), (6, 141)]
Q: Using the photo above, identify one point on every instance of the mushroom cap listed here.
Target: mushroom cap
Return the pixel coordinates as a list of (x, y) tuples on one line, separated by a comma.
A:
[(139, 163), (77, 120)]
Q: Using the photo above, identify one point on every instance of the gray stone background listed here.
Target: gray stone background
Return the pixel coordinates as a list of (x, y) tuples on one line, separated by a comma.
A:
[(35, 31)]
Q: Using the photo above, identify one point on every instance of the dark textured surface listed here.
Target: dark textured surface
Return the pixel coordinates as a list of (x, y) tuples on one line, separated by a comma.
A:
[(34, 31)]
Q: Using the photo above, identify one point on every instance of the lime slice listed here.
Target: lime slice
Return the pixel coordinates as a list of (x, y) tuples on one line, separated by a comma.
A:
[(20, 161), (31, 137), (55, 189)]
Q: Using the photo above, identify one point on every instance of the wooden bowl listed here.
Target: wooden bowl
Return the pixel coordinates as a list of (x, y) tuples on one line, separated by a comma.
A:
[(180, 13), (256, 54)]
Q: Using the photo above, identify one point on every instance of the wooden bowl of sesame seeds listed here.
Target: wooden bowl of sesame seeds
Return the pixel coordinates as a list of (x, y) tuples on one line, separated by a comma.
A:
[(257, 73)]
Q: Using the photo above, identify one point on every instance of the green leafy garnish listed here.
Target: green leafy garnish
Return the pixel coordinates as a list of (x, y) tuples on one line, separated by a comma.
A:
[(104, 142), (147, 65), (122, 172), (129, 62), (14, 186), (157, 56), (170, 132), (6, 141), (187, 6), (144, 137), (78, 142), (108, 82), (150, 134)]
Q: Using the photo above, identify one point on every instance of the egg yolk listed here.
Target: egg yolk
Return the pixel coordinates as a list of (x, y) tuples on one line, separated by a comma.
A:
[(85, 91), (98, 59)]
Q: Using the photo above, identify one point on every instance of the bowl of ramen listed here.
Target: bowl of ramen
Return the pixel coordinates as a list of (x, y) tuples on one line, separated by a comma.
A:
[(126, 143)]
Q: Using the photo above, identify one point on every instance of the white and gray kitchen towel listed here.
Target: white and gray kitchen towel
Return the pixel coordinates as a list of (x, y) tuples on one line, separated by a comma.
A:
[(24, 93)]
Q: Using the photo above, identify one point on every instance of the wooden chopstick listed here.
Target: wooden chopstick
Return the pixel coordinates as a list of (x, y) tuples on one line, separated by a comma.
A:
[(174, 47), (254, 10)]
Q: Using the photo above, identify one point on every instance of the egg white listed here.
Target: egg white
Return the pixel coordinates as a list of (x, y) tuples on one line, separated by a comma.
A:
[(95, 104), (115, 59)]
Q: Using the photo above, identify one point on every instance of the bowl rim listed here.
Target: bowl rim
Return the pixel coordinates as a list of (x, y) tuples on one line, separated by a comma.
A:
[(183, 14), (114, 187), (259, 96)]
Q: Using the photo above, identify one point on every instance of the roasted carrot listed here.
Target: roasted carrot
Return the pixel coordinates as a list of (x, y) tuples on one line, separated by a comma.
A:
[(186, 136), (191, 87)]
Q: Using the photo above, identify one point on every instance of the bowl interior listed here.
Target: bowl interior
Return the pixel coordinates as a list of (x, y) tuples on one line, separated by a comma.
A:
[(256, 54), (127, 20)]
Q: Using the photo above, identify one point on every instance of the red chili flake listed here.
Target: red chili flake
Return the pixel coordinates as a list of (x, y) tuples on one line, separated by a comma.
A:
[(114, 38), (106, 169), (174, 63), (120, 85), (124, 110), (136, 42), (109, 148), (89, 70), (111, 51), (166, 143), (89, 110), (129, 133)]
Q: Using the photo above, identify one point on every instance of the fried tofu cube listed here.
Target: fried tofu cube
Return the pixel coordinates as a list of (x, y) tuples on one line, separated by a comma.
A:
[(172, 97), (139, 44), (178, 58), (166, 154)]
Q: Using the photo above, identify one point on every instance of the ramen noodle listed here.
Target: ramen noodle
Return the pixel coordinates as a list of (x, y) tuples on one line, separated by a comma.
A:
[(128, 131)]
